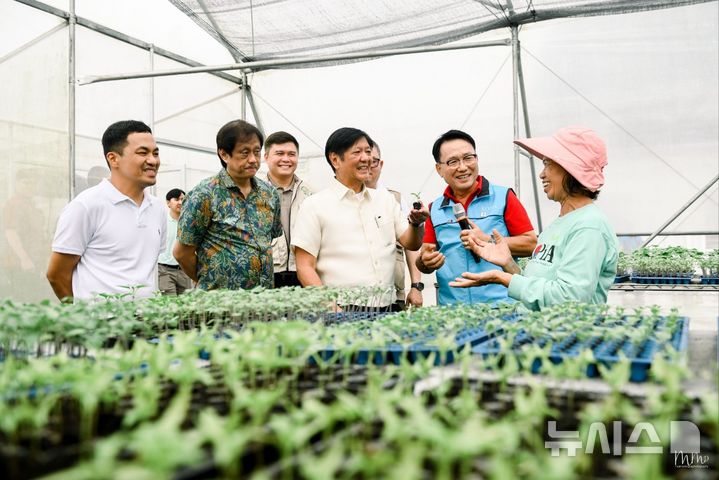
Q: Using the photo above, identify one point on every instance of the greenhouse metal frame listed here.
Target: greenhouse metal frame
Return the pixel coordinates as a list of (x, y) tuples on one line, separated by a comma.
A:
[(504, 15)]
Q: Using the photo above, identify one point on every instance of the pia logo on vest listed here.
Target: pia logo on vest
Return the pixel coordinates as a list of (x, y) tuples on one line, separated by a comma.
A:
[(543, 252)]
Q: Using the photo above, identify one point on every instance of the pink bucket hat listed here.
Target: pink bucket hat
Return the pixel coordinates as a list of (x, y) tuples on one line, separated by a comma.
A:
[(577, 149)]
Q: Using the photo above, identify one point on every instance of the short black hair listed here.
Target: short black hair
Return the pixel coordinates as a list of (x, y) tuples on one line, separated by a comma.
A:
[(115, 137), (572, 186), (342, 140), (234, 132), (451, 135), (279, 138), (174, 193)]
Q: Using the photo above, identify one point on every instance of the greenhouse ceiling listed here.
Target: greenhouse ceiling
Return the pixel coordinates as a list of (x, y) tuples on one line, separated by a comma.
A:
[(272, 29)]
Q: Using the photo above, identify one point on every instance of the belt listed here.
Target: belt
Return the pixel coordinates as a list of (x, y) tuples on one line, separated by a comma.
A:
[(174, 267), (286, 274)]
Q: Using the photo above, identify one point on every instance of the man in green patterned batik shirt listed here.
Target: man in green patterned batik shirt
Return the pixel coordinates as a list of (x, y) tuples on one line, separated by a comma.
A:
[(228, 221)]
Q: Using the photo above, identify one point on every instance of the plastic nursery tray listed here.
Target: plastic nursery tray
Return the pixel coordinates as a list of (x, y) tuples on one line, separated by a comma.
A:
[(333, 318), (203, 353), (709, 280), (606, 351), (46, 349), (678, 280), (621, 278), (393, 353), (415, 346), (42, 390)]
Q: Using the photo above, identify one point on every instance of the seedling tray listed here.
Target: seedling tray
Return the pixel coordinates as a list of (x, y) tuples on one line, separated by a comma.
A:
[(678, 280), (334, 318), (423, 348), (606, 351), (709, 280), (621, 278), (464, 338), (203, 353), (642, 355), (414, 346)]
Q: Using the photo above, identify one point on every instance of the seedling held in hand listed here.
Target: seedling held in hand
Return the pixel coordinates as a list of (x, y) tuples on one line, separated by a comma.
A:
[(417, 203)]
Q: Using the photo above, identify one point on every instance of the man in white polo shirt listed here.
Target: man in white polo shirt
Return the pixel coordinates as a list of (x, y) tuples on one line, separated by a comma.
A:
[(345, 234), (109, 237)]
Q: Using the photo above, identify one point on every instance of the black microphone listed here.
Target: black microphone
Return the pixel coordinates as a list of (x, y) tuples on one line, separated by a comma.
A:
[(461, 217)]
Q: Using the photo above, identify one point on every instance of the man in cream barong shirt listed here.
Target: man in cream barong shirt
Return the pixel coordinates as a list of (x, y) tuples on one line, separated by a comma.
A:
[(345, 234)]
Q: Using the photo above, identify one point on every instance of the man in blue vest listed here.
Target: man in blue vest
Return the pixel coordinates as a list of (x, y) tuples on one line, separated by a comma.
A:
[(487, 206)]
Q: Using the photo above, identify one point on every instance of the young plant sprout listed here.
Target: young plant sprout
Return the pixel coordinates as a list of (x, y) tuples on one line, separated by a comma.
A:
[(417, 201)]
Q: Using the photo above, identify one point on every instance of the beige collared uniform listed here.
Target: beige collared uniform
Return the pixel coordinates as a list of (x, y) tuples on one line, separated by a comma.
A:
[(282, 255), (399, 264), (352, 236)]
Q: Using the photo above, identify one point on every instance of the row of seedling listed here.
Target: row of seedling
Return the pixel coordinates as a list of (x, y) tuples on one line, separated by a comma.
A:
[(259, 408), (597, 332), (679, 264), (47, 328)]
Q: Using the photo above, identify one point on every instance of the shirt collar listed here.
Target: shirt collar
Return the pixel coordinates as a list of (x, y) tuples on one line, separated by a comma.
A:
[(449, 193), (116, 196), (227, 182), (341, 190), (295, 181)]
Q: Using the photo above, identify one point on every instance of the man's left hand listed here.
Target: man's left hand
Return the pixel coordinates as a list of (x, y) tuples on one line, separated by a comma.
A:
[(418, 217), (414, 298)]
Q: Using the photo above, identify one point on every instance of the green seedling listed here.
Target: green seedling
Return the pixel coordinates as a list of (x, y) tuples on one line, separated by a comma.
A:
[(417, 202)]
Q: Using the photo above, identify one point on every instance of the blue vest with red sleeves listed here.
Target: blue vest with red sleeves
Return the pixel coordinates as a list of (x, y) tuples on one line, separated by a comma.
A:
[(486, 210)]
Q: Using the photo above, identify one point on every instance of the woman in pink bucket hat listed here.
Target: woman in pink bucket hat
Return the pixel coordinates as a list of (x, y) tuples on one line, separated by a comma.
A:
[(576, 256)]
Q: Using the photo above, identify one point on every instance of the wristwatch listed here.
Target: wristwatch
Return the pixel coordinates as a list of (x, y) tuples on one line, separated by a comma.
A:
[(419, 286)]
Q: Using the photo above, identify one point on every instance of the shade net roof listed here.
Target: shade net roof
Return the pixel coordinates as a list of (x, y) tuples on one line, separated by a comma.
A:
[(269, 29)]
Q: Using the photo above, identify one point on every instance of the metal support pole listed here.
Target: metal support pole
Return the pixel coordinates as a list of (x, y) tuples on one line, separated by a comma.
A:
[(266, 64), (528, 133), (243, 107), (152, 88), (515, 104), (185, 146), (220, 36), (255, 112), (691, 233), (681, 210), (152, 101), (89, 24), (71, 99), (34, 41), (197, 105)]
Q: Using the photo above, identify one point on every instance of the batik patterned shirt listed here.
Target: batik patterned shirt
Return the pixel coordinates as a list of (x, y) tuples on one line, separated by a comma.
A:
[(233, 234)]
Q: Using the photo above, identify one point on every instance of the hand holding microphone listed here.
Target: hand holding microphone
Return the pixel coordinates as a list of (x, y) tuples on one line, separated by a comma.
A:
[(463, 222)]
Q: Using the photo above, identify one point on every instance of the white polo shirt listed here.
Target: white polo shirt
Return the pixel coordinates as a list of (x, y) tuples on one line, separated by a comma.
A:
[(118, 242), (352, 236)]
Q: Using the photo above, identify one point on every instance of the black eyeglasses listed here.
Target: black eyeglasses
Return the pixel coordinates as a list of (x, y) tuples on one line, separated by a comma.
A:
[(374, 162), (468, 159)]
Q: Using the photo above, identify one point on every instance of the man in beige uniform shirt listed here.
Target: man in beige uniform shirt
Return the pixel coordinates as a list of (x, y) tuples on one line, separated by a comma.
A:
[(345, 234)]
